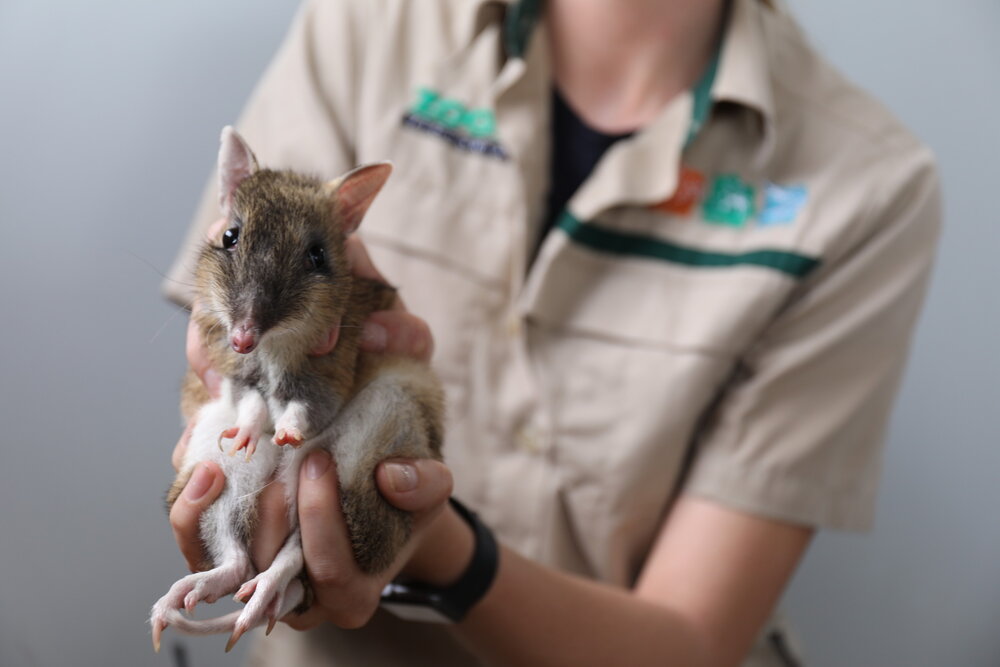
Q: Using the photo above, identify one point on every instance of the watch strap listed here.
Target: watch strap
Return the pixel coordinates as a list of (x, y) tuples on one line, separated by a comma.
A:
[(417, 601)]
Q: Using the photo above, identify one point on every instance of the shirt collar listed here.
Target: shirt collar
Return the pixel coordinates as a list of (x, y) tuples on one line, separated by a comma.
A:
[(743, 75), (480, 13)]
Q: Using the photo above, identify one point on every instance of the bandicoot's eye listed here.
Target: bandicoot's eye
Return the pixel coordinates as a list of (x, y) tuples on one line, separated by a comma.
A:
[(317, 257), (230, 238)]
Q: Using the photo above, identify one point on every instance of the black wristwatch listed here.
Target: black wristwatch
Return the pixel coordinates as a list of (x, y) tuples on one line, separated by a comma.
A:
[(415, 601)]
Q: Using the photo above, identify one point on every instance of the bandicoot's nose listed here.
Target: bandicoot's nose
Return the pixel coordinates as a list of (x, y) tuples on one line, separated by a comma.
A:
[(244, 338)]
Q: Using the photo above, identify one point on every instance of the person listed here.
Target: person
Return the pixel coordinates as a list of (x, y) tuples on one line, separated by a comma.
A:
[(671, 262)]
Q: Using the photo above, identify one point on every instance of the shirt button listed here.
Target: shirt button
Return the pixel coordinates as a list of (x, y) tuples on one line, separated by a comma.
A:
[(514, 325), (529, 440)]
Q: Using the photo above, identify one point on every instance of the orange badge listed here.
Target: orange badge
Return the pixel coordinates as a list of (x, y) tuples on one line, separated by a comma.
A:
[(690, 186)]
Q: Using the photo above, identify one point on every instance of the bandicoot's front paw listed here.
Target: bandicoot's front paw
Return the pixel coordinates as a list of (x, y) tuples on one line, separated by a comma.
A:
[(288, 436), (292, 424), (243, 437)]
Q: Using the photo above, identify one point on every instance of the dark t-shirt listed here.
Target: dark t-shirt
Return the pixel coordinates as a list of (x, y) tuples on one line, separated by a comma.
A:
[(576, 149)]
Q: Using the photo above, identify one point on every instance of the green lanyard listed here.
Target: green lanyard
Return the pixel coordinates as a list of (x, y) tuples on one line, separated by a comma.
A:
[(702, 98)]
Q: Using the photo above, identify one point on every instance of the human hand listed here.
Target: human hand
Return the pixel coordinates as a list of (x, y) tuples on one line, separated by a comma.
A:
[(396, 330), (344, 595), (438, 551)]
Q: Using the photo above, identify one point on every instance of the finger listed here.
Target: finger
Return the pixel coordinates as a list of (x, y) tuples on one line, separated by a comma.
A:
[(272, 525), (177, 458), (307, 620), (213, 233), (397, 332), (202, 489), (199, 360), (325, 541), (419, 486), (361, 264)]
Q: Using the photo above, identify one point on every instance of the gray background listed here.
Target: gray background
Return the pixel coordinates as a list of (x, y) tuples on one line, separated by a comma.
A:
[(109, 117)]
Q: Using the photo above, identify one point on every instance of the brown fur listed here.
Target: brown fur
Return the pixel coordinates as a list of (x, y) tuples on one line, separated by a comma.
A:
[(377, 529), (275, 211)]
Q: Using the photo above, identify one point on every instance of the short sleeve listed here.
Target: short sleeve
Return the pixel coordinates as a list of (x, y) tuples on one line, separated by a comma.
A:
[(299, 116), (798, 433)]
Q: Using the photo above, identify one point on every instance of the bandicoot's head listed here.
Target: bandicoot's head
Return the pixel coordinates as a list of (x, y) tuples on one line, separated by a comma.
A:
[(279, 270)]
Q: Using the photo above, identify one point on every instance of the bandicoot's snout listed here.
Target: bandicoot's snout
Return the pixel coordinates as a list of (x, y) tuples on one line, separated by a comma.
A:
[(244, 337)]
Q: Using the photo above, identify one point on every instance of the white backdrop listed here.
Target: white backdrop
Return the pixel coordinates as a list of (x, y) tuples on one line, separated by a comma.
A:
[(109, 116)]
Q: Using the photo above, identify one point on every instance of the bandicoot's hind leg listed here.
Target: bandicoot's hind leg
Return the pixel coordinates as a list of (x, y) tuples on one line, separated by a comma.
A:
[(208, 586), (278, 589), (397, 413), (272, 593), (225, 527)]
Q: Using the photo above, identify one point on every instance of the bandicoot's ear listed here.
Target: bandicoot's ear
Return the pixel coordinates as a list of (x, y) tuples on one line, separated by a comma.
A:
[(236, 162), (355, 191)]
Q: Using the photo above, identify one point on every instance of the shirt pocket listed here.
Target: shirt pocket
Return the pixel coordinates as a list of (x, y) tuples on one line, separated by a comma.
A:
[(646, 301)]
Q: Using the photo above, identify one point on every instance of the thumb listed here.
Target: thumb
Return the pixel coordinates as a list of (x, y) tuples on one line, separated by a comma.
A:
[(414, 485), (200, 491)]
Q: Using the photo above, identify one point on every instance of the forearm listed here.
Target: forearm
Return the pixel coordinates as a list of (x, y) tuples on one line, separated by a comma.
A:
[(706, 589), (534, 615)]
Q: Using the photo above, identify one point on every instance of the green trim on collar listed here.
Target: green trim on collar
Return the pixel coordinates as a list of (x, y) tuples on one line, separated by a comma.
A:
[(702, 97), (520, 20), (602, 239)]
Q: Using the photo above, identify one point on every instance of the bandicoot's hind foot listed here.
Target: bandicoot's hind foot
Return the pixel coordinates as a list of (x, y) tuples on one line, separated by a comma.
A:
[(270, 598), (188, 592), (272, 593)]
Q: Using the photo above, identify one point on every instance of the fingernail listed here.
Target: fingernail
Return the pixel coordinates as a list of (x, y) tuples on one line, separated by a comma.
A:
[(316, 465), (374, 337), (199, 484), (402, 476)]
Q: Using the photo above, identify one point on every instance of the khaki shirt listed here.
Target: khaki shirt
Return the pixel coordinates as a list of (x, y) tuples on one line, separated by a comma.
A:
[(724, 308)]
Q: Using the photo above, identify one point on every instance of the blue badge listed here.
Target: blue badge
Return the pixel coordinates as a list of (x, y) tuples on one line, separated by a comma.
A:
[(782, 204)]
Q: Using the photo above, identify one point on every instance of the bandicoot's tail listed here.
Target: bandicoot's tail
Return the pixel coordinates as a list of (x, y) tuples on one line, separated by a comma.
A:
[(175, 619)]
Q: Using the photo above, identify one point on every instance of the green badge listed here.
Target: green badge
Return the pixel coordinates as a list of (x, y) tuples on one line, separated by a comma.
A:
[(452, 114), (730, 201)]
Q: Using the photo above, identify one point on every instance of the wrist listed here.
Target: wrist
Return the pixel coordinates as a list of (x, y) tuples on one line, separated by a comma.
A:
[(451, 599), (445, 551)]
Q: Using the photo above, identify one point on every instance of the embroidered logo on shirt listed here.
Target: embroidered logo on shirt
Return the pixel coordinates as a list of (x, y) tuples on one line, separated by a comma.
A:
[(730, 201), (467, 129), (733, 202), (690, 187), (782, 204)]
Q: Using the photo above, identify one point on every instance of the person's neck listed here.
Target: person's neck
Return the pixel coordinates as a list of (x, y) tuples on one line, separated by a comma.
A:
[(619, 63)]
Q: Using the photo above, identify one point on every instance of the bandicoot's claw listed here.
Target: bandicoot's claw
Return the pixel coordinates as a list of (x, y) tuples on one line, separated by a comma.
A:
[(237, 633), (290, 436), (272, 620), (158, 627), (246, 590), (225, 435)]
